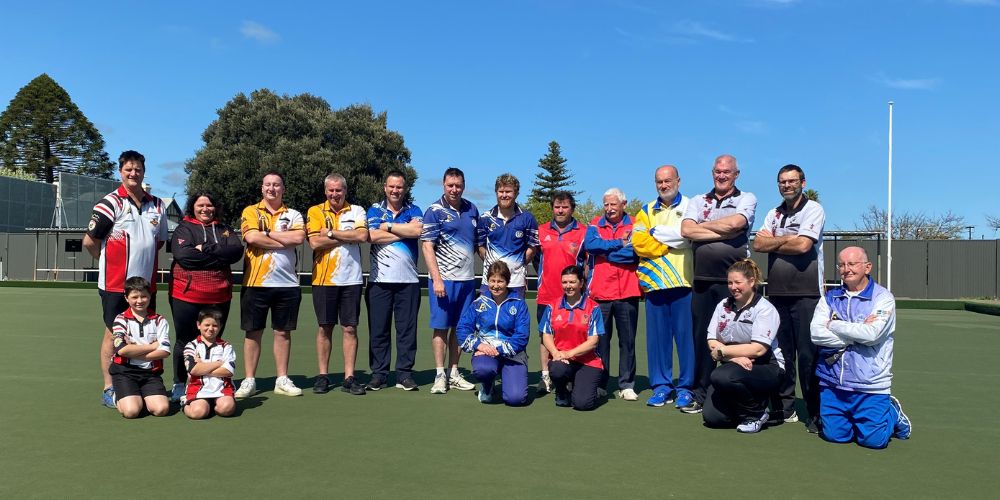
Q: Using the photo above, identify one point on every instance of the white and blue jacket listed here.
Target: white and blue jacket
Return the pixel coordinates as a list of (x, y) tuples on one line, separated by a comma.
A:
[(506, 326), (854, 336)]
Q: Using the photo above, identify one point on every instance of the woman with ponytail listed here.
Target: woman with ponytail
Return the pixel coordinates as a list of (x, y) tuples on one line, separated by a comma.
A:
[(742, 337)]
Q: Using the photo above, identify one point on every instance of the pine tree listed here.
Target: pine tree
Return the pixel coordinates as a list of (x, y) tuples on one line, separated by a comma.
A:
[(42, 132), (553, 177)]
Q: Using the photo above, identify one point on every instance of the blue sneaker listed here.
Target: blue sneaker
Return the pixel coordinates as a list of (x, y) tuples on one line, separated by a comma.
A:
[(684, 400), (903, 427), (177, 393), (108, 399), (660, 398)]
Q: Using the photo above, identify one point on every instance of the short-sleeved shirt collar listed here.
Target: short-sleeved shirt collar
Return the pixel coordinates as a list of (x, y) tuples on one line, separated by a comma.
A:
[(718, 201), (603, 221), (262, 206), (495, 211), (785, 210)]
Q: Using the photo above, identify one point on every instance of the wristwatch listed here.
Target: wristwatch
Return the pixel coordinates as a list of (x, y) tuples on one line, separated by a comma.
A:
[(329, 233), (389, 228)]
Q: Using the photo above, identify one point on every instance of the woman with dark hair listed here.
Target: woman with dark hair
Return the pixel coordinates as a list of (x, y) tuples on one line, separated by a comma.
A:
[(571, 329), (203, 249), (742, 336), (495, 329)]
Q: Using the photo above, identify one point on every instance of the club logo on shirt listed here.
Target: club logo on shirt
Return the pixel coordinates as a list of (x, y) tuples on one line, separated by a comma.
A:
[(154, 222), (548, 237), (91, 225), (512, 310), (482, 307), (180, 241), (518, 234)]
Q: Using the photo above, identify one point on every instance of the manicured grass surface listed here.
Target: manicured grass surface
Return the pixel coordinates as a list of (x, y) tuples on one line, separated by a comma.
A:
[(57, 441)]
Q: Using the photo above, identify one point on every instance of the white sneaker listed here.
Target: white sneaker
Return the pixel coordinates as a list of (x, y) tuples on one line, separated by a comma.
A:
[(247, 388), (751, 425), (486, 395), (628, 395), (544, 385), (792, 419), (440, 384), (457, 382), (285, 387)]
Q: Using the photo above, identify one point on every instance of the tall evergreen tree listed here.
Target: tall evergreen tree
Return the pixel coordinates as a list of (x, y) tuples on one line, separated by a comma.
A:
[(304, 139), (553, 177), (43, 132)]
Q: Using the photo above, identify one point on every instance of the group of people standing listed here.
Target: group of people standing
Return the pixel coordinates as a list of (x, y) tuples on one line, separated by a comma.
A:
[(739, 354)]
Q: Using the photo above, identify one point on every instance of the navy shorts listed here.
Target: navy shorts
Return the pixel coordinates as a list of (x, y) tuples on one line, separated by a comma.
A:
[(283, 302), (331, 302), (131, 381), (446, 311)]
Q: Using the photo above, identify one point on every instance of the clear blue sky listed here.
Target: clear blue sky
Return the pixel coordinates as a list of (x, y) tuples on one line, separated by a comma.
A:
[(624, 86)]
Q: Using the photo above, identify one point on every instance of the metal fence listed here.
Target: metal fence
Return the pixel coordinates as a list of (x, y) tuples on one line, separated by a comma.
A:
[(923, 269)]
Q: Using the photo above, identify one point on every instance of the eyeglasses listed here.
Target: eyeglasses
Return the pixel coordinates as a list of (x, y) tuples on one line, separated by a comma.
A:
[(790, 181), (852, 265)]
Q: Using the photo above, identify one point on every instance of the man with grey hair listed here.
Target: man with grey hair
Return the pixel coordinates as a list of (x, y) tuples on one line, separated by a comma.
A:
[(853, 327), (335, 229), (613, 284), (718, 224)]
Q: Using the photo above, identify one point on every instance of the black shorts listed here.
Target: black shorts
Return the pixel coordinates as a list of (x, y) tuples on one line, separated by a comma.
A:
[(132, 381), (283, 302), (114, 303), (344, 301)]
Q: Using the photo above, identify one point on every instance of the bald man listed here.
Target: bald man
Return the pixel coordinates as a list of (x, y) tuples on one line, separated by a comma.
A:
[(665, 274), (853, 327)]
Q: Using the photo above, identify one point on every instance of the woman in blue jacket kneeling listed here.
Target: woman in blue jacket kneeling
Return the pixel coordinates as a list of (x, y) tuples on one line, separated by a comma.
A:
[(495, 329)]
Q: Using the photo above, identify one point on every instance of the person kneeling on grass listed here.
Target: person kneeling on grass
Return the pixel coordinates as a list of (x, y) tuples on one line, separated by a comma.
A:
[(495, 328), (853, 326), (140, 340), (571, 330), (742, 336), (210, 362)]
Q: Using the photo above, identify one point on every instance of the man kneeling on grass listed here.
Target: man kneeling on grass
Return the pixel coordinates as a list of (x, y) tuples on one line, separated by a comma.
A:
[(853, 326)]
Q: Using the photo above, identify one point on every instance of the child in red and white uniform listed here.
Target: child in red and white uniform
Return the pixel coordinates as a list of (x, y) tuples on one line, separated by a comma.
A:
[(210, 362), (140, 340)]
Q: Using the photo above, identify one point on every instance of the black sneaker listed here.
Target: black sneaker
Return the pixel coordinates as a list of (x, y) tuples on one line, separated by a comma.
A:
[(322, 385), (407, 384), (694, 407), (352, 386), (813, 426), (377, 382)]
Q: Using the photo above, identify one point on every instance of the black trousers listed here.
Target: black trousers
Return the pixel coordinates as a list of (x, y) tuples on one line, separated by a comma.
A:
[(737, 393), (388, 301), (799, 352), (585, 379), (706, 295), (186, 329), (624, 315)]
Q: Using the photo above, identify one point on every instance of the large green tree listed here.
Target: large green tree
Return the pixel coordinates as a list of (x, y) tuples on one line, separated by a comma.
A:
[(554, 175), (42, 132), (304, 139)]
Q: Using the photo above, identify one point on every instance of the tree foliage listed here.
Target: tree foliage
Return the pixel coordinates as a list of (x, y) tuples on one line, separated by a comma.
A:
[(913, 226), (43, 132), (993, 222), (585, 211), (304, 139), (553, 177), (811, 194)]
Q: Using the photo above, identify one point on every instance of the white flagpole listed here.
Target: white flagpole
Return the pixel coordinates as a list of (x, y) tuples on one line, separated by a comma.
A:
[(888, 283)]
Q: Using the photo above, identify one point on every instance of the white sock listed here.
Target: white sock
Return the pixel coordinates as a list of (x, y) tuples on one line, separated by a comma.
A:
[(251, 379), (454, 372), (545, 373), (440, 370)]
